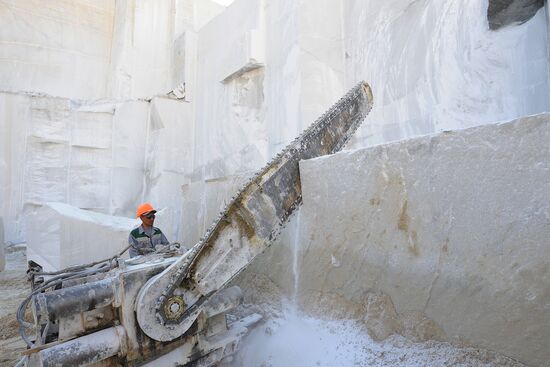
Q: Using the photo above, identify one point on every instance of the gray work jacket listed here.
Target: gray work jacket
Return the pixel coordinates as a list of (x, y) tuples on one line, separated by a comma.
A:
[(141, 243)]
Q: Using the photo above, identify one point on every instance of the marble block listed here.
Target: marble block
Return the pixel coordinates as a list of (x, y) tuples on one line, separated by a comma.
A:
[(60, 235)]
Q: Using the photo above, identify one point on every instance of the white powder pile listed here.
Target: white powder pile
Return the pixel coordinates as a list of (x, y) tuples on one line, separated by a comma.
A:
[(298, 340)]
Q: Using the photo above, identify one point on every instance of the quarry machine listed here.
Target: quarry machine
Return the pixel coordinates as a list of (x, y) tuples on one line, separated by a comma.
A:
[(170, 308)]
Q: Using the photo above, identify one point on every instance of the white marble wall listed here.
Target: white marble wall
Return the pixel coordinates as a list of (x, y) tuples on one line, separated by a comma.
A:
[(13, 108), (435, 65), (55, 150), (142, 48), (73, 125), (230, 134), (60, 48), (261, 84), (169, 157), (95, 49)]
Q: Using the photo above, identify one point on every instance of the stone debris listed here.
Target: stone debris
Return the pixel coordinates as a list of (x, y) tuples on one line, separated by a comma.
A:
[(291, 338)]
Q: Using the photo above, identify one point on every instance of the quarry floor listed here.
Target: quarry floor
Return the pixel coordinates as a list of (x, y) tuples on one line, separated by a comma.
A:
[(286, 338), (301, 341), (13, 289)]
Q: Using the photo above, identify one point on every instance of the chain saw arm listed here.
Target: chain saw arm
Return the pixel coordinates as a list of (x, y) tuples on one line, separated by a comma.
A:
[(170, 302)]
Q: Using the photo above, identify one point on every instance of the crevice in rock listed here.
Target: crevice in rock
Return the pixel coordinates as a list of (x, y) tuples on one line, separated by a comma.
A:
[(501, 13)]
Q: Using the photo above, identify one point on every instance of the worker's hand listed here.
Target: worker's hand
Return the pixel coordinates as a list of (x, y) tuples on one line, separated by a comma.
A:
[(162, 248), (172, 247), (180, 248), (177, 247)]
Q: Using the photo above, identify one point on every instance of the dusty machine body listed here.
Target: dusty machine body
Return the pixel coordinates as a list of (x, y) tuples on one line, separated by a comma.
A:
[(95, 317), (173, 308)]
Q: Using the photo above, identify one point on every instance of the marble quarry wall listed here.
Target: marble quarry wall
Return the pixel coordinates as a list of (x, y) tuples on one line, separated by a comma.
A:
[(89, 156), (87, 49), (436, 65), (439, 237), (62, 49), (84, 119), (452, 72), (83, 114)]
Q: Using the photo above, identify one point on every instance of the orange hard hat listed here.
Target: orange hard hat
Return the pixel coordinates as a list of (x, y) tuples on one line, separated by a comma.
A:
[(144, 208)]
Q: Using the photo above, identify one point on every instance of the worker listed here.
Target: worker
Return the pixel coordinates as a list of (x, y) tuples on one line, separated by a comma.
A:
[(146, 237)]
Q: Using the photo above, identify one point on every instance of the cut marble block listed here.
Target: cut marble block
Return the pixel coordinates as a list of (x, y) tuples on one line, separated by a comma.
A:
[(60, 235), (454, 228)]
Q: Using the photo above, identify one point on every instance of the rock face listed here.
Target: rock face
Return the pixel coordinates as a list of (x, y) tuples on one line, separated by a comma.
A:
[(501, 13), (438, 237)]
